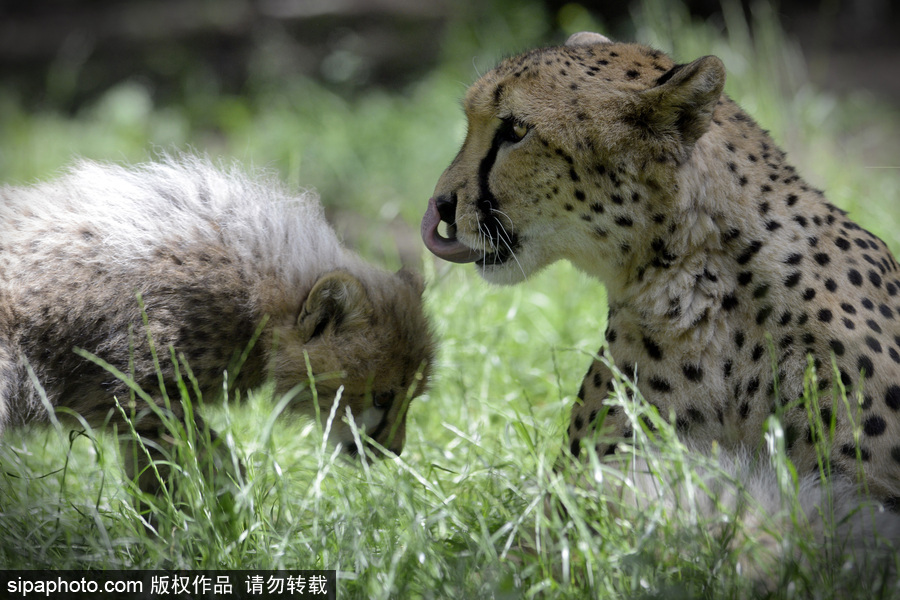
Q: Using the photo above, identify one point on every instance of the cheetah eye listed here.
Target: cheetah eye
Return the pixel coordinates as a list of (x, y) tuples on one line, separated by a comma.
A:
[(512, 130), (519, 130), (383, 400)]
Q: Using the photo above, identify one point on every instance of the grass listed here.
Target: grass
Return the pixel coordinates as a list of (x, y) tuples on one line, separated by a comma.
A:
[(461, 513)]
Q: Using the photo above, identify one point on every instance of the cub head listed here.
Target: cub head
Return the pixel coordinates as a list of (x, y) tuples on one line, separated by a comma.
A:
[(567, 150), (367, 338)]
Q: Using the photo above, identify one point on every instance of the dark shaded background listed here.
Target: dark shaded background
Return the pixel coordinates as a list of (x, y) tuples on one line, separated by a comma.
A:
[(61, 54)]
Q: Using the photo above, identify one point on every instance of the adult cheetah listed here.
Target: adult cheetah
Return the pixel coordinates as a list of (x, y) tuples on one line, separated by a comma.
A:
[(726, 272)]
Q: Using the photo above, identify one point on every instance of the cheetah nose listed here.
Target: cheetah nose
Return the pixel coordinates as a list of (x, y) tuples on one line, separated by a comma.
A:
[(446, 207), (449, 248)]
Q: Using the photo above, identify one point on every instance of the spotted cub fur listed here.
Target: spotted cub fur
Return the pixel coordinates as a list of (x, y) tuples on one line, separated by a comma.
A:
[(725, 271), (213, 258)]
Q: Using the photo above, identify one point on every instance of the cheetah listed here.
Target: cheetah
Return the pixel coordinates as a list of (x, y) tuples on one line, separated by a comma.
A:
[(235, 276), (727, 274)]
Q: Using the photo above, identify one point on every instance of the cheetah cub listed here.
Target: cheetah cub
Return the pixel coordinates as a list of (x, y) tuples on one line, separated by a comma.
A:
[(218, 260), (726, 273)]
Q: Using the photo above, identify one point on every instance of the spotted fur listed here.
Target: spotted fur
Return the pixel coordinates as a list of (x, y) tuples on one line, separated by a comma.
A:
[(216, 257), (726, 272)]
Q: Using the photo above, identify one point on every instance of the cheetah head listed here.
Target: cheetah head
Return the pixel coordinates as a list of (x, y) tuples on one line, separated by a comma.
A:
[(368, 345), (566, 151)]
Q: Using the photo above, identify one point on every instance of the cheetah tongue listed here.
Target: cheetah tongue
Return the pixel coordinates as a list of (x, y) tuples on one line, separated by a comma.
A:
[(450, 249)]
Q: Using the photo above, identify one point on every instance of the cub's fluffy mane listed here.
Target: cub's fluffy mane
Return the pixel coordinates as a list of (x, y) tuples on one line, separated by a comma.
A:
[(182, 201)]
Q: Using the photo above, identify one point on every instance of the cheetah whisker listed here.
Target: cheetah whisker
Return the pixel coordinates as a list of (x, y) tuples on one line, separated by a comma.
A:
[(515, 258), (512, 225)]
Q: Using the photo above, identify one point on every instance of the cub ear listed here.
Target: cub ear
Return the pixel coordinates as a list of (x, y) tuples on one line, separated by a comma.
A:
[(413, 279), (586, 38), (338, 299), (684, 99)]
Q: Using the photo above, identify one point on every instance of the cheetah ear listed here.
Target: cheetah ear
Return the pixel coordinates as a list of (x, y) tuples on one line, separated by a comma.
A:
[(337, 300), (586, 38), (684, 99), (413, 279)]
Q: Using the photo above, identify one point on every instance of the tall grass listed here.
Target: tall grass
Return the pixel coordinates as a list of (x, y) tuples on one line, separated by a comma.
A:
[(461, 514)]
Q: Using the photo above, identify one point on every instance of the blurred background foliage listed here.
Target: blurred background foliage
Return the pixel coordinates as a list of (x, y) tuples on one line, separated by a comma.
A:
[(360, 98)]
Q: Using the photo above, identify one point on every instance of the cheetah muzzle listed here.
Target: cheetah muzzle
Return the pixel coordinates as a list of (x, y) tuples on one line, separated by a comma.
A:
[(451, 249)]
